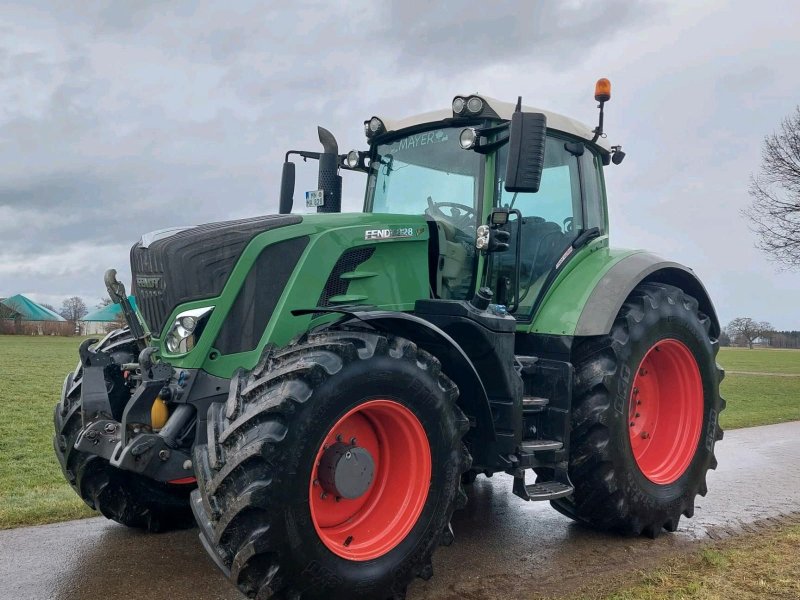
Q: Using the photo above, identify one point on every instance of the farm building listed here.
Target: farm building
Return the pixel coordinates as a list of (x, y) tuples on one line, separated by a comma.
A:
[(104, 319), (20, 314)]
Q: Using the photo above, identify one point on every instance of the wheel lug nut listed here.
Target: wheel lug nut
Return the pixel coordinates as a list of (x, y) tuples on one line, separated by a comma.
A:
[(632, 423), (636, 390), (352, 441), (637, 415), (645, 435), (316, 482), (324, 495), (339, 438)]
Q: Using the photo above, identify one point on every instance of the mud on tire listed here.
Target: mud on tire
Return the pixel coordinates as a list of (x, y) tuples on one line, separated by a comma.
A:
[(253, 497), (611, 491), (124, 497)]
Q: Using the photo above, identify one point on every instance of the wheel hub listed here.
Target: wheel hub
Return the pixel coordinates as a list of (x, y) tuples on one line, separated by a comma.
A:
[(346, 471)]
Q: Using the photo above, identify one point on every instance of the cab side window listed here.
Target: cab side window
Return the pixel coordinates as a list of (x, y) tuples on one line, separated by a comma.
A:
[(593, 191), (550, 220)]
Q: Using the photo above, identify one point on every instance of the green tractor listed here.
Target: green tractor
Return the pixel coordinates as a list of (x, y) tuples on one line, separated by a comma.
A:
[(315, 391)]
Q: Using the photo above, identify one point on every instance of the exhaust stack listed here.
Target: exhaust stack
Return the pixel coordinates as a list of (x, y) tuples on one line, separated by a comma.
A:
[(329, 180)]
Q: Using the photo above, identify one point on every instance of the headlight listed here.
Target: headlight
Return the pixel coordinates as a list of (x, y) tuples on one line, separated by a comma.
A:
[(482, 239), (186, 329), (459, 104)]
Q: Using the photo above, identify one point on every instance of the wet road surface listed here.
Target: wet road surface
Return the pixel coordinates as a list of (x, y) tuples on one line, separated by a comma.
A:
[(504, 548)]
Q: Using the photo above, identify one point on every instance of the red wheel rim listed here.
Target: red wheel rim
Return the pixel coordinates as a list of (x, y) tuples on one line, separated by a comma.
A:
[(371, 525), (666, 411)]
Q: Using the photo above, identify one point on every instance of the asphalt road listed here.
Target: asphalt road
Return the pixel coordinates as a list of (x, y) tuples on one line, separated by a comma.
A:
[(504, 548)]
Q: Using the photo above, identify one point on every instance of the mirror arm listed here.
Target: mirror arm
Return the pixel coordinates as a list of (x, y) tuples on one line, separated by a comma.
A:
[(486, 148)]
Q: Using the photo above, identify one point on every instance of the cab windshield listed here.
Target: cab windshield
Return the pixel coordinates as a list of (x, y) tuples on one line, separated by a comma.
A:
[(428, 173), (421, 172)]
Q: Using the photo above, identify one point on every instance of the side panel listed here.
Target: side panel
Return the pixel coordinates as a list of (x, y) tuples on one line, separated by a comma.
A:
[(563, 303)]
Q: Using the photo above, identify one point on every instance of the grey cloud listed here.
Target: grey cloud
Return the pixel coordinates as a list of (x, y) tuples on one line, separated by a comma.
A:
[(473, 34)]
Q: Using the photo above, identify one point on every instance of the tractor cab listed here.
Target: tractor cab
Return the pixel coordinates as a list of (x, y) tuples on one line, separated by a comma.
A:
[(452, 167)]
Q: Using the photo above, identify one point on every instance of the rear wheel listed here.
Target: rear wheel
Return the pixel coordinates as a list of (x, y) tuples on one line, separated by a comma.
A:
[(125, 497), (645, 415), (333, 469)]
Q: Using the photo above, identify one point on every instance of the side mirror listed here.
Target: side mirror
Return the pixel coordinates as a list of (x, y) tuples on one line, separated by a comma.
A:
[(287, 188), (526, 140)]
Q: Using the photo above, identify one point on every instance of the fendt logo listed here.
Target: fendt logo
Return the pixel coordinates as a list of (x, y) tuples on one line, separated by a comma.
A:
[(148, 283), (386, 234)]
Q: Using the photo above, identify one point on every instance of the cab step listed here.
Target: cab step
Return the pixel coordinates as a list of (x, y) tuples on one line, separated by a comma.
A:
[(548, 490), (541, 490), (531, 446), (533, 404)]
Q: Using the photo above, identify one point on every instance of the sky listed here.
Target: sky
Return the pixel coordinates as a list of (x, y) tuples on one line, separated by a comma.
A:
[(118, 118)]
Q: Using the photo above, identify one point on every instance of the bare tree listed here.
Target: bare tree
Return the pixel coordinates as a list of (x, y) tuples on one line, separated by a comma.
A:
[(105, 301), (49, 307), (775, 210), (746, 330), (73, 309)]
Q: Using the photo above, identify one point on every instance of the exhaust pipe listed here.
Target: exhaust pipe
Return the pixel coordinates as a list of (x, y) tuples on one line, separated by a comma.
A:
[(329, 180)]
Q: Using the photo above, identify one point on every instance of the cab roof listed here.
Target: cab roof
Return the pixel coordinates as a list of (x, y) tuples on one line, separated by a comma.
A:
[(494, 108)]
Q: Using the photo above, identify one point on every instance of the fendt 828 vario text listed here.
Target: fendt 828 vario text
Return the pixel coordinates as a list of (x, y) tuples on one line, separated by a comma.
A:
[(314, 391)]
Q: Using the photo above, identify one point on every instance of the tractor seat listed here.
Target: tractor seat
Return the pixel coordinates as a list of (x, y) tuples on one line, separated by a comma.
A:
[(542, 241)]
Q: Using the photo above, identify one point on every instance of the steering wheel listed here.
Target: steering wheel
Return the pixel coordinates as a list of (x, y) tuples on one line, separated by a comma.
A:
[(461, 216)]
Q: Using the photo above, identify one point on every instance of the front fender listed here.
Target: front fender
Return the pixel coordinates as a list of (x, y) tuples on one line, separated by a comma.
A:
[(472, 398)]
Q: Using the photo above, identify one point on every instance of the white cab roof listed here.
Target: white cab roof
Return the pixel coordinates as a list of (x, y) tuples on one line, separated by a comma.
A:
[(504, 110)]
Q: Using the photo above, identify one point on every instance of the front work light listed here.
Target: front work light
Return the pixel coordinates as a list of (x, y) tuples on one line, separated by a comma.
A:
[(474, 105), (374, 127), (351, 160), (459, 104), (468, 138), (186, 329)]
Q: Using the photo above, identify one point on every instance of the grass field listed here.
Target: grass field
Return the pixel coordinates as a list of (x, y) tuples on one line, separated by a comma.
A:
[(761, 360), (32, 487), (750, 567), (759, 399), (33, 490)]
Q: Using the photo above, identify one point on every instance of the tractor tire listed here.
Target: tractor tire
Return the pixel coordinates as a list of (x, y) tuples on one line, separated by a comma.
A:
[(634, 472), (125, 497), (268, 502)]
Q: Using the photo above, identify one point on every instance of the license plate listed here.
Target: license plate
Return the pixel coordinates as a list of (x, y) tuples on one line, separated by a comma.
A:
[(315, 198)]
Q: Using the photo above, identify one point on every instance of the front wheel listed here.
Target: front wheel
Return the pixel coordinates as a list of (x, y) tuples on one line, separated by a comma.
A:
[(333, 469), (645, 415)]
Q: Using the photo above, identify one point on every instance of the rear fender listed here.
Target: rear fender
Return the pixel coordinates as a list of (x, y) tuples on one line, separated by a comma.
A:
[(607, 297)]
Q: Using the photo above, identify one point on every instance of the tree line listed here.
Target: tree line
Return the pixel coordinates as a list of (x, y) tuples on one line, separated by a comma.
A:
[(744, 331)]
